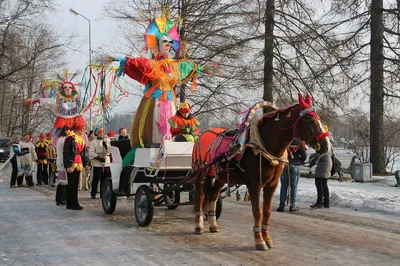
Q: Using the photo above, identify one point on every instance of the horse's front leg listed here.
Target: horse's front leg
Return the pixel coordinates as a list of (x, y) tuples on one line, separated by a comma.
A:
[(254, 190), (199, 199), (268, 193), (212, 214)]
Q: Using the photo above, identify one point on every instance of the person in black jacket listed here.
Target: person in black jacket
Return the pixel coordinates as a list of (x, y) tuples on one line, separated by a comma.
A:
[(75, 160), (291, 173), (123, 134)]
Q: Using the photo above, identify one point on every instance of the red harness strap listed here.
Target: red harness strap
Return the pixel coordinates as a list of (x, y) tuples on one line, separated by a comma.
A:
[(322, 135)]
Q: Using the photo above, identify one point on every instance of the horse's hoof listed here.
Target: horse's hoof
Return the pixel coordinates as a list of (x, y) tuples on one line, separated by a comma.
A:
[(214, 229), (199, 231), (269, 244), (261, 246)]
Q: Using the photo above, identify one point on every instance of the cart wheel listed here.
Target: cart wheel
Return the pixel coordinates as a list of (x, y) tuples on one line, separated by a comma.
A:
[(172, 197), (218, 208), (108, 198), (52, 179), (144, 205)]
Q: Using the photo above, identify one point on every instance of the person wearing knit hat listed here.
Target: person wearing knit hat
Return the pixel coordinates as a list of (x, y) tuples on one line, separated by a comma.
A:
[(75, 159), (183, 123), (111, 135), (99, 155), (40, 148)]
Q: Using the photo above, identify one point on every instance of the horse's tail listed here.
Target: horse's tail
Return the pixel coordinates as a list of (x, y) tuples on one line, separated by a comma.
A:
[(208, 188)]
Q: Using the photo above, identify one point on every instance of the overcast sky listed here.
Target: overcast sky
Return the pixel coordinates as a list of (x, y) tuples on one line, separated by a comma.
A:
[(105, 36)]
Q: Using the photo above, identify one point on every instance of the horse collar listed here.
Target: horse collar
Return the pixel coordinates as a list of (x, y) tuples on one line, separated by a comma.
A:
[(258, 146)]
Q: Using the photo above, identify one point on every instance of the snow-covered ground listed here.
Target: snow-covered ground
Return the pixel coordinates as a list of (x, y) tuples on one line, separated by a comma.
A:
[(379, 196)]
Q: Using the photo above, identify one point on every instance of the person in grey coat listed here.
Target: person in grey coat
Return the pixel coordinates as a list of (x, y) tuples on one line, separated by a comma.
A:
[(322, 173)]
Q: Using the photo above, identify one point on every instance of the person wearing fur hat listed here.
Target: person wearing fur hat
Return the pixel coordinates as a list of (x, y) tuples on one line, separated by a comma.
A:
[(41, 147), (27, 160), (99, 155), (184, 123), (75, 159)]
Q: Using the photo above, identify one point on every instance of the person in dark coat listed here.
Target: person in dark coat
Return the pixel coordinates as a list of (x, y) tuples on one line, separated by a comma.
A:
[(291, 173), (322, 173), (123, 134), (75, 160)]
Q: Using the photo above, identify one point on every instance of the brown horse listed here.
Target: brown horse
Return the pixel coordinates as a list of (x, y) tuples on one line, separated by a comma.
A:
[(260, 166)]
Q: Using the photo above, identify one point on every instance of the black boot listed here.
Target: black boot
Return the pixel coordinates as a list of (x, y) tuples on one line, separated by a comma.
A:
[(61, 195), (317, 205), (326, 203), (29, 180)]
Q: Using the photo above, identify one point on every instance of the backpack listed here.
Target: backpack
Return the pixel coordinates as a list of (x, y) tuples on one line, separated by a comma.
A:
[(336, 165)]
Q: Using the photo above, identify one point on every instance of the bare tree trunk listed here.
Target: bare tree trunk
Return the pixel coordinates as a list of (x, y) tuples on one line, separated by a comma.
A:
[(269, 50), (377, 93), (30, 82), (182, 12)]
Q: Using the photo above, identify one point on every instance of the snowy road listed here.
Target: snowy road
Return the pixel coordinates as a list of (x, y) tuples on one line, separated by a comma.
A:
[(33, 231)]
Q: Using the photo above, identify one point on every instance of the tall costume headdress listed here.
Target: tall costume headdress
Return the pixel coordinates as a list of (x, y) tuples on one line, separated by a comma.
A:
[(159, 27)]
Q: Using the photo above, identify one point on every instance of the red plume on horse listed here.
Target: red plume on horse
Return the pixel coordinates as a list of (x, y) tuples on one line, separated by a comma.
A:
[(258, 163)]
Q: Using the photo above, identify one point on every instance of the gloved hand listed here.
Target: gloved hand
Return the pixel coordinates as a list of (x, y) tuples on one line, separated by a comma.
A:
[(25, 152), (185, 128), (100, 159), (24, 149)]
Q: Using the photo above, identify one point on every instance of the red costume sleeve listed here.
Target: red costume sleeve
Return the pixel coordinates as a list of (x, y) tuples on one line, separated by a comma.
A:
[(175, 131), (137, 68)]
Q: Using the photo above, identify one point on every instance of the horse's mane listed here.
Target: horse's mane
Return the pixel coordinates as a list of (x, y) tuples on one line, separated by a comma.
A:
[(275, 111)]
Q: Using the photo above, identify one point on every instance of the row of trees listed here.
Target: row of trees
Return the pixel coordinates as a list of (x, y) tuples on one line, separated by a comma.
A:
[(29, 52), (335, 50), (342, 52)]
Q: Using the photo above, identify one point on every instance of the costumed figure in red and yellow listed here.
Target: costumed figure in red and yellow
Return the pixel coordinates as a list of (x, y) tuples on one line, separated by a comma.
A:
[(75, 159), (160, 76), (183, 123), (66, 106), (40, 148)]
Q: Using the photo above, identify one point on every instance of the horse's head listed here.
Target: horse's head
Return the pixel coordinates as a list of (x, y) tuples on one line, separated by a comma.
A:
[(310, 128)]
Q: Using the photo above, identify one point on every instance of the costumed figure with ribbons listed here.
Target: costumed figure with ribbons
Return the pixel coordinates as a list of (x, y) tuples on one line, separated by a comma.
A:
[(160, 76), (66, 106), (41, 152), (183, 123)]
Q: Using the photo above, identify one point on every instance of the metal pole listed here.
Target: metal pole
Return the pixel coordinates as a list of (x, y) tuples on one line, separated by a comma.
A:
[(90, 71), (90, 61)]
